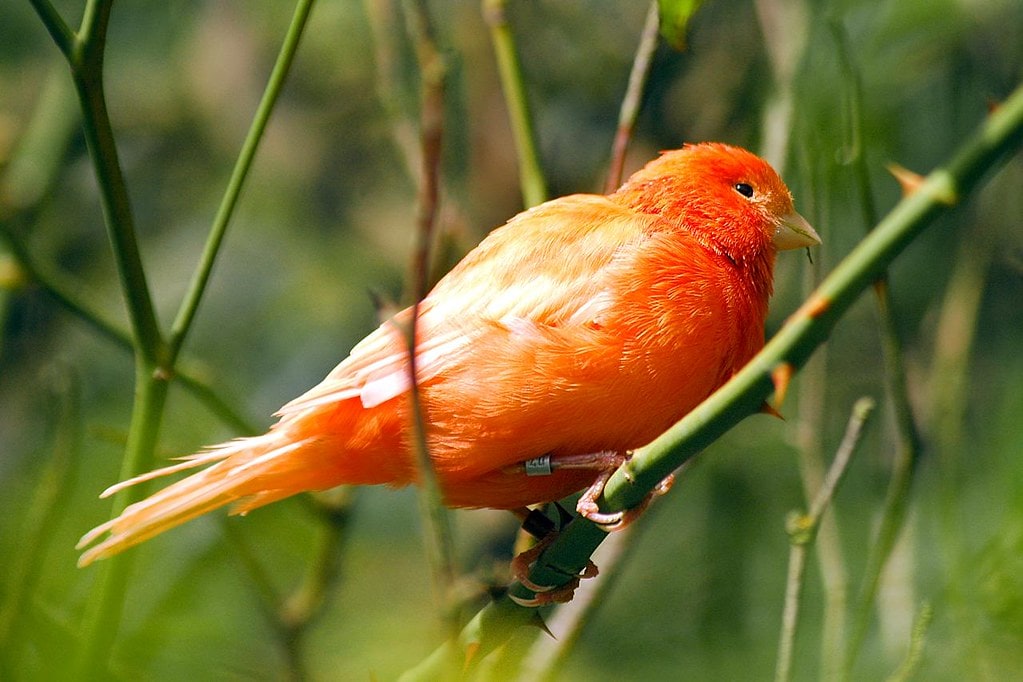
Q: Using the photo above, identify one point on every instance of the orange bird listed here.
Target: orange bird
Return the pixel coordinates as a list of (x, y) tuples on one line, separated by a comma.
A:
[(575, 333)]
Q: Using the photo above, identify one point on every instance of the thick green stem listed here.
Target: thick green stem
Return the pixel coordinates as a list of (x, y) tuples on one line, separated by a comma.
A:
[(999, 134), (104, 609)]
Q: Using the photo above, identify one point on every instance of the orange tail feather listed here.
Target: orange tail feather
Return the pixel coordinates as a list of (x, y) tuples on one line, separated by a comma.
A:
[(249, 472)]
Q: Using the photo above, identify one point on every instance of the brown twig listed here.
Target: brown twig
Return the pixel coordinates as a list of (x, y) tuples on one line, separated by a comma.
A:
[(633, 99), (433, 72)]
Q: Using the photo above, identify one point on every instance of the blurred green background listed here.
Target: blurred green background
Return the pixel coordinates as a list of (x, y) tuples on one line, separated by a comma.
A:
[(327, 216)]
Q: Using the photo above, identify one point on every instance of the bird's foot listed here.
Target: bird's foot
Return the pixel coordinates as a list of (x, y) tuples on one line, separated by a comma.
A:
[(615, 521), (545, 594)]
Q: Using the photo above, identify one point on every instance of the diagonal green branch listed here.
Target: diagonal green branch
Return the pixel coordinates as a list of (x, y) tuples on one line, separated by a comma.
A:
[(633, 98), (190, 304), (999, 134), (61, 33), (87, 70), (802, 529)]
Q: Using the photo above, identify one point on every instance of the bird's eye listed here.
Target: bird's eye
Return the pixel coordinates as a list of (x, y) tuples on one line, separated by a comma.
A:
[(744, 189)]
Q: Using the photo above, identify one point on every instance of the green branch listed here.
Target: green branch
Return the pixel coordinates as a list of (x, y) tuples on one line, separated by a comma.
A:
[(85, 57), (534, 187), (154, 358), (61, 33), (103, 611), (802, 530), (999, 134), (87, 70), (190, 304)]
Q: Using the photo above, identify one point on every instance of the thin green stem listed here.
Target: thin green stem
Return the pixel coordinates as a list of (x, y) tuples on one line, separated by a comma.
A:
[(197, 287), (633, 98), (907, 670), (809, 436), (999, 134), (802, 530), (790, 614), (103, 611), (92, 35), (534, 187), (60, 32)]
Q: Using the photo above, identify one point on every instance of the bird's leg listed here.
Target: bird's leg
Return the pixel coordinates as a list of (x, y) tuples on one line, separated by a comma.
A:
[(605, 463), (606, 460)]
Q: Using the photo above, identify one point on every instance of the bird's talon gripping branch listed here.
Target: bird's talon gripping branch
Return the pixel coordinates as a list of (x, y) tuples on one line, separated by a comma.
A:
[(615, 521), (546, 594)]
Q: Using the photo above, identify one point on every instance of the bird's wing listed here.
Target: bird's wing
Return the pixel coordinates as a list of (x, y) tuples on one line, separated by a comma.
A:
[(548, 267)]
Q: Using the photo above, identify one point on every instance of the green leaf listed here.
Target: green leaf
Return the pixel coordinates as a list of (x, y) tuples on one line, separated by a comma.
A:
[(675, 16)]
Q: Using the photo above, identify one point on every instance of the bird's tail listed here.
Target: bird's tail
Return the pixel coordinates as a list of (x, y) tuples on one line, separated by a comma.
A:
[(248, 472)]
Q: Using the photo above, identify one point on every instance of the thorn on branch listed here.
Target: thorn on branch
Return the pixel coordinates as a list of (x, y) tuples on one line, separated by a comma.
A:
[(908, 180)]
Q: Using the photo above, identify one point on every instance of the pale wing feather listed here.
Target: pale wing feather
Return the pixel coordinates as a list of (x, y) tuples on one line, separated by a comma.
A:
[(547, 266)]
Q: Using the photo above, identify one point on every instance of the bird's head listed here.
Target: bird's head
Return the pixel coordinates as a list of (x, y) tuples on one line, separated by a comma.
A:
[(729, 198)]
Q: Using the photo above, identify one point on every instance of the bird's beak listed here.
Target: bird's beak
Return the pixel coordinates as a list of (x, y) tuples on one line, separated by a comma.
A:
[(793, 232)]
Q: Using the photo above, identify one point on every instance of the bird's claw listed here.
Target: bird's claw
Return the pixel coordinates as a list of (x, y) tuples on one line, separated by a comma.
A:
[(615, 521), (545, 594)]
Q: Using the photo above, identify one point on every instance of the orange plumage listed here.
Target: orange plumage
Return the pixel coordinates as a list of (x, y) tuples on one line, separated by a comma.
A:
[(587, 324)]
